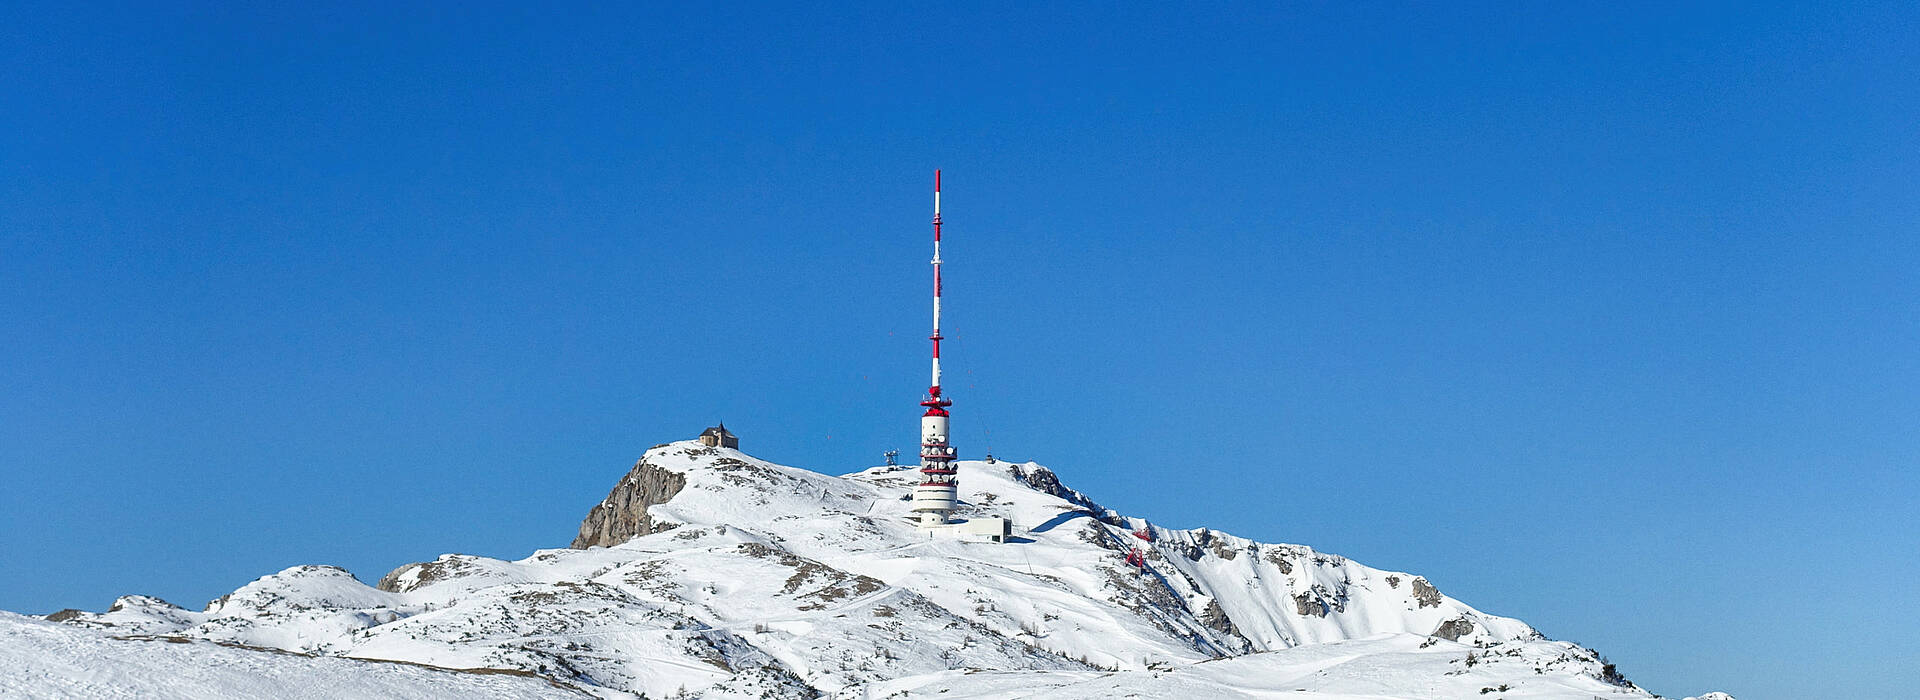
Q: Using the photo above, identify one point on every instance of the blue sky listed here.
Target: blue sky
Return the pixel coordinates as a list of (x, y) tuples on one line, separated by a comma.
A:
[(1600, 317)]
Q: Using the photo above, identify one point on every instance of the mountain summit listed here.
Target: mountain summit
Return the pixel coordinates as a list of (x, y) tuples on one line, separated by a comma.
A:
[(709, 573)]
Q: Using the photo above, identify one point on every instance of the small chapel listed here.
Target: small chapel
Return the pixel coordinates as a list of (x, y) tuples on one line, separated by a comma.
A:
[(717, 436)]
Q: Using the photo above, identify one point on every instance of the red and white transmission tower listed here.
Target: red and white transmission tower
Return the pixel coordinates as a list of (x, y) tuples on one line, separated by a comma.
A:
[(937, 493)]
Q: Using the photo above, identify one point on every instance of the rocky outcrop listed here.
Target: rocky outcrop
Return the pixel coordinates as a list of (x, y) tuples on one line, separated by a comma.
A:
[(1425, 594), (1452, 630), (1215, 617), (412, 577), (1045, 481), (1308, 604), (623, 515)]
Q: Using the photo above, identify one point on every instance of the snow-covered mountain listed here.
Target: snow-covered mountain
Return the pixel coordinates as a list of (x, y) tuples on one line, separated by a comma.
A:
[(731, 577), (44, 659)]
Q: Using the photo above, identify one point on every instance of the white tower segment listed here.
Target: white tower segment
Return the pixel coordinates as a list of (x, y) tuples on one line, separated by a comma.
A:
[(937, 493)]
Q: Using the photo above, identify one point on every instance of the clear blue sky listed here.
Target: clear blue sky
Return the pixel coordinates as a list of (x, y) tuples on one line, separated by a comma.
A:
[(1601, 316)]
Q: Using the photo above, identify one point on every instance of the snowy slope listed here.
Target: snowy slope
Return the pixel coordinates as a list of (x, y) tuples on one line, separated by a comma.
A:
[(1382, 666), (760, 580), (40, 659)]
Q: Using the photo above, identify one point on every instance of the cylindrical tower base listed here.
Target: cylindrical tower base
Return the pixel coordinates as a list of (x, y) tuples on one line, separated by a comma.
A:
[(934, 502)]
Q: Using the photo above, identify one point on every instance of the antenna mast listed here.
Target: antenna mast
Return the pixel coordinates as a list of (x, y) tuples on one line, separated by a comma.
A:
[(935, 388), (937, 493)]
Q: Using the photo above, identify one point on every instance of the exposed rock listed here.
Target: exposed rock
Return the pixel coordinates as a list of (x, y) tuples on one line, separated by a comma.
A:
[(1220, 549), (1091, 534), (1144, 594), (1610, 674), (1321, 600), (391, 582), (1452, 630), (140, 601), (412, 577), (1309, 604), (1043, 480), (623, 515), (1213, 616), (65, 615), (1425, 593)]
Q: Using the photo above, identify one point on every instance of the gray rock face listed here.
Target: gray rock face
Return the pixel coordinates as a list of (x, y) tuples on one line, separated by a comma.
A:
[(1452, 630), (1213, 616), (1425, 593), (411, 577), (391, 582), (1045, 481), (623, 515), (1309, 604)]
